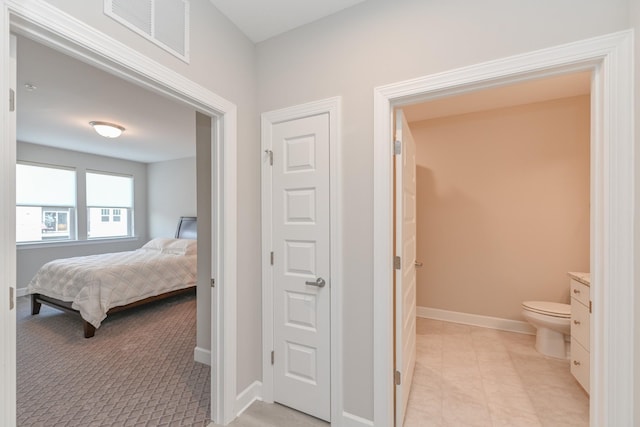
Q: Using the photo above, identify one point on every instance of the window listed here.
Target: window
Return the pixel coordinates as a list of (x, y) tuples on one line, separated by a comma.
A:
[(45, 203), (109, 205)]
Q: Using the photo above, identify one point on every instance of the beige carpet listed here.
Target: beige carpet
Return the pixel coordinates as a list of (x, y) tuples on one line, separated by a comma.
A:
[(137, 371)]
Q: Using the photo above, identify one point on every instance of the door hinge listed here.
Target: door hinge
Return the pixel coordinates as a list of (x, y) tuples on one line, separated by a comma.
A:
[(11, 303), (273, 356), (270, 154), (12, 100), (213, 283), (398, 378), (590, 307), (397, 263), (397, 147), (271, 257)]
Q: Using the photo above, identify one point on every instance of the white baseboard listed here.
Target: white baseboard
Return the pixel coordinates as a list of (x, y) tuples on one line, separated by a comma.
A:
[(202, 355), (247, 397), (20, 292), (350, 420), (509, 325)]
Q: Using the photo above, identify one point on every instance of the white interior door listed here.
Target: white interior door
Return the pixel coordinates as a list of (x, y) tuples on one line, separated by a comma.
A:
[(301, 267), (405, 279), (8, 253)]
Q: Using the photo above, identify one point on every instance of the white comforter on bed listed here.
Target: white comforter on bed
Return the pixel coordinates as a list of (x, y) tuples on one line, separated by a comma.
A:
[(96, 283)]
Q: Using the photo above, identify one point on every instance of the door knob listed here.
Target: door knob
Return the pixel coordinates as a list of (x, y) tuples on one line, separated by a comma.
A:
[(319, 282), (418, 264)]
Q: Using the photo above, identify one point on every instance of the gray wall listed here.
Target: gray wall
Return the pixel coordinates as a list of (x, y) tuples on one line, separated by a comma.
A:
[(171, 193), (30, 259), (203, 172), (223, 60), (380, 42), (635, 23)]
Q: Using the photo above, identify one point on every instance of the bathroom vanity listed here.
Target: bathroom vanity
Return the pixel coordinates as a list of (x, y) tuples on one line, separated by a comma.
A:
[(580, 327)]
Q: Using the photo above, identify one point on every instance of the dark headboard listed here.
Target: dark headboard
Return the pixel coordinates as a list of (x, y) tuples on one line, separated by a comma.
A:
[(187, 228)]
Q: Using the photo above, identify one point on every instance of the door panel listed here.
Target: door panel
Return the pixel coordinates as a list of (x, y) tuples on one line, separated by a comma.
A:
[(405, 280), (300, 179)]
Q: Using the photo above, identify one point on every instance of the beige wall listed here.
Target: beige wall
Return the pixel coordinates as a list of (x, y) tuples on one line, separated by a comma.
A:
[(503, 206)]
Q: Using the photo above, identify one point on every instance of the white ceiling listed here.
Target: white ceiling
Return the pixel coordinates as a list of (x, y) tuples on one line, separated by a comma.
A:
[(263, 19), (71, 93)]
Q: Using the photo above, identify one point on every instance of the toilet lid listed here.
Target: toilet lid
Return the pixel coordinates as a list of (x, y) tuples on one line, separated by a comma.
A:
[(555, 309)]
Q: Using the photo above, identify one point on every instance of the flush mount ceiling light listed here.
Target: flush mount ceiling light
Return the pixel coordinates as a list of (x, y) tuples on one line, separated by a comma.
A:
[(108, 130)]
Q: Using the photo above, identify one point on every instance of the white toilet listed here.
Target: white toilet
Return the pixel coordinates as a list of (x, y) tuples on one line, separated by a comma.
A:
[(552, 321)]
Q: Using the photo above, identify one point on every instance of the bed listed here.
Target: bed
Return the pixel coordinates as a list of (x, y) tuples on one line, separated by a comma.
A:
[(98, 285)]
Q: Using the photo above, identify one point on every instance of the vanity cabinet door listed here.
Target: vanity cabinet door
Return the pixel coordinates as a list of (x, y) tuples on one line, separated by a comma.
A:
[(580, 323), (580, 364)]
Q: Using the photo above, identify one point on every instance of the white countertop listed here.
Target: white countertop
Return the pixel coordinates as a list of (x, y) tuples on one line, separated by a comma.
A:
[(584, 278)]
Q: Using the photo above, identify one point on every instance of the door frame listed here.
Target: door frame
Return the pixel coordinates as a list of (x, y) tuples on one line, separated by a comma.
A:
[(610, 60), (331, 106), (50, 26)]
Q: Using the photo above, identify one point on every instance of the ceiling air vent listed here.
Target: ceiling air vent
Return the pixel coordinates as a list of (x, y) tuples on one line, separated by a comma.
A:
[(164, 22)]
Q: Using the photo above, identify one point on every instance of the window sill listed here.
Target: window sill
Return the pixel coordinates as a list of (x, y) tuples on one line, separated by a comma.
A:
[(69, 243)]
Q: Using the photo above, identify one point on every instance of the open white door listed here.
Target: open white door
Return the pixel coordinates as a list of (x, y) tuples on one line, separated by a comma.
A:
[(405, 278), (8, 253), (301, 265)]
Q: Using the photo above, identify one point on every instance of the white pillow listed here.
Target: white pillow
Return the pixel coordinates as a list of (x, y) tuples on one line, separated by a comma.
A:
[(181, 247), (156, 244), (172, 246)]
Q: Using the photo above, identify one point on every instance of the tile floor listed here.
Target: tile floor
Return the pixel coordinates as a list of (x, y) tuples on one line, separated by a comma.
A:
[(469, 376)]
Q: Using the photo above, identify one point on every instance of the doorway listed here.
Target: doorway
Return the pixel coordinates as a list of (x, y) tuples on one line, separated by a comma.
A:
[(503, 216), (153, 182), (612, 276), (48, 25)]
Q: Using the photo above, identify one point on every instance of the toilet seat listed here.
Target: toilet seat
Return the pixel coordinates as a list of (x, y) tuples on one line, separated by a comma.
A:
[(555, 309)]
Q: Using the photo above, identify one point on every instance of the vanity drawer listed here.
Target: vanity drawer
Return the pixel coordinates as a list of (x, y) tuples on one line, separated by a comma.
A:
[(580, 319), (580, 292), (580, 364)]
